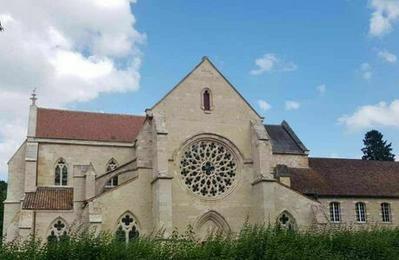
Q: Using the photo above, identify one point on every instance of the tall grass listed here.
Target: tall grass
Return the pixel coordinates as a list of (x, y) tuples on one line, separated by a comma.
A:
[(252, 242)]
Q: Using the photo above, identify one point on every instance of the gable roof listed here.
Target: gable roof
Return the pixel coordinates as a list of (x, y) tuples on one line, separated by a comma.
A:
[(90, 126), (347, 178), (49, 198), (205, 58), (284, 140)]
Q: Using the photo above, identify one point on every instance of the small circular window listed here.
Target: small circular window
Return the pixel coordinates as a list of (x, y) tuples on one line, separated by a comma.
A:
[(208, 168)]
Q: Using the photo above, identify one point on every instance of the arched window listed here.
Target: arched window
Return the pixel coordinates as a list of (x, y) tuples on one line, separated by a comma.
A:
[(360, 212), (286, 220), (206, 101), (58, 231), (386, 212), (127, 228), (61, 173), (111, 165), (335, 212)]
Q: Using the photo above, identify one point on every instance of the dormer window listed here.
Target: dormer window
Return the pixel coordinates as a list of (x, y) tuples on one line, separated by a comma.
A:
[(206, 100)]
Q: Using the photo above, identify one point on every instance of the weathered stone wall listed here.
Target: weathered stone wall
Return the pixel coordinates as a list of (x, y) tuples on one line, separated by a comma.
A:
[(15, 192), (97, 155), (292, 161)]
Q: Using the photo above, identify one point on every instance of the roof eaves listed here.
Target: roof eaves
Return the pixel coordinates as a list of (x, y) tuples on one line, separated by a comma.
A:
[(291, 132)]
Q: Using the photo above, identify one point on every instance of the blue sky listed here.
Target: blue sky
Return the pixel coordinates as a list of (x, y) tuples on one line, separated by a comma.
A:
[(328, 41), (330, 68)]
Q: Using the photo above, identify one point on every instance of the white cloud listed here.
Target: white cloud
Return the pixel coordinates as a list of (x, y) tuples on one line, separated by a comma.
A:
[(70, 51), (270, 62), (366, 71), (381, 114), (387, 56), (264, 105), (321, 89), (385, 14), (292, 105)]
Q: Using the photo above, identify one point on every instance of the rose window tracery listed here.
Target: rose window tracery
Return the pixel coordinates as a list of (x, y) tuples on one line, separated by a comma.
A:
[(208, 168)]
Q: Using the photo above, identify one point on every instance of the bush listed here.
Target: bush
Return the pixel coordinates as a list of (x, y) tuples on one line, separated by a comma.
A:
[(253, 242)]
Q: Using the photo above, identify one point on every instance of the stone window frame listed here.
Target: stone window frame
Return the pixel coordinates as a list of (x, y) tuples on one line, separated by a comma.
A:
[(386, 212), (211, 107), (286, 220), (57, 230), (133, 226), (335, 212), (177, 155), (59, 168), (361, 212), (112, 164)]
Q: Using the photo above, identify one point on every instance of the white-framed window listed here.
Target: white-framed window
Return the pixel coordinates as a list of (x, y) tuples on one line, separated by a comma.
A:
[(360, 208), (335, 212), (112, 182), (61, 173), (386, 212)]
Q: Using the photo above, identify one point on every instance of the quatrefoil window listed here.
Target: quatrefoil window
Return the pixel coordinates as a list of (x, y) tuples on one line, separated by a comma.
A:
[(208, 168)]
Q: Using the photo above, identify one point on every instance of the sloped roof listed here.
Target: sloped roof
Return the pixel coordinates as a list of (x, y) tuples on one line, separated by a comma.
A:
[(284, 140), (49, 198), (76, 125), (347, 178)]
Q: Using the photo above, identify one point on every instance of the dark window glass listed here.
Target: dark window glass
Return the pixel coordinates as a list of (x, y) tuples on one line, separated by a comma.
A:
[(386, 212), (207, 100)]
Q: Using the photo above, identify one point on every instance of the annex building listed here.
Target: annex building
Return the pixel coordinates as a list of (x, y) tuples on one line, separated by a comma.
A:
[(201, 156)]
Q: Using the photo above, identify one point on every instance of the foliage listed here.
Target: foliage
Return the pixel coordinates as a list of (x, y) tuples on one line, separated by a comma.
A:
[(375, 148), (3, 195), (253, 242)]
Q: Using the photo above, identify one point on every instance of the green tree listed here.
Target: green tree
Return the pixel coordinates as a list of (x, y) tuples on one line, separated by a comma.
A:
[(375, 148), (3, 195)]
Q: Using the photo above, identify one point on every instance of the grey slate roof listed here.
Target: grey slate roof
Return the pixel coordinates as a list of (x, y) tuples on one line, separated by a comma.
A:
[(284, 140)]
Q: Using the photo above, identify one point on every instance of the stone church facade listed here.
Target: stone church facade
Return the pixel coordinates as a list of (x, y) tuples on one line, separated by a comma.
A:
[(201, 156)]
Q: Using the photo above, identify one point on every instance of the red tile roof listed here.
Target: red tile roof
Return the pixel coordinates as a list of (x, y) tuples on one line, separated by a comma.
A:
[(347, 177), (49, 198), (63, 124)]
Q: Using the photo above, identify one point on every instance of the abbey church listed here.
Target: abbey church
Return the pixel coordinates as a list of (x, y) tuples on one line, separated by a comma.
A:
[(201, 156)]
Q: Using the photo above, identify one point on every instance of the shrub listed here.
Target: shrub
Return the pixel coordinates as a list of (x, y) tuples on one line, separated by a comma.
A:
[(253, 242)]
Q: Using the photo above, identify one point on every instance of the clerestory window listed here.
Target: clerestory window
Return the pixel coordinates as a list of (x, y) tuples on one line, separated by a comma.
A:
[(61, 173)]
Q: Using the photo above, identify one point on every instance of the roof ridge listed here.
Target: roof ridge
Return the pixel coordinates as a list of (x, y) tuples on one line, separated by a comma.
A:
[(352, 159), (89, 112)]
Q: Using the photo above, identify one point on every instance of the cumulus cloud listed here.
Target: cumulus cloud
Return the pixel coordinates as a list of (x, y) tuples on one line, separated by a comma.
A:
[(366, 70), (384, 15), (387, 56), (292, 105), (271, 62), (321, 89), (71, 51), (381, 114), (264, 105)]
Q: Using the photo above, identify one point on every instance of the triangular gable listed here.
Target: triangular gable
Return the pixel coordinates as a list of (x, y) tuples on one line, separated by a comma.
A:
[(206, 59)]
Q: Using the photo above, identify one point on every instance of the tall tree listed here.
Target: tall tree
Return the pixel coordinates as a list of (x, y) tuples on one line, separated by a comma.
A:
[(375, 148)]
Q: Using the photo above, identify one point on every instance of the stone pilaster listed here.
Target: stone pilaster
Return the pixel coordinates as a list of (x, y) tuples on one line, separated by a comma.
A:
[(162, 181)]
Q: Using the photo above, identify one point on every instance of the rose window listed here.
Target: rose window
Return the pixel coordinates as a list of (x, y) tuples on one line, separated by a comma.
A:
[(208, 168)]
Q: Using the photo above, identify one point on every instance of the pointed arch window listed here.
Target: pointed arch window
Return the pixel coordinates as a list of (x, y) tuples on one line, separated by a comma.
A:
[(61, 173), (287, 221), (127, 229), (386, 212), (112, 165), (58, 231), (206, 99), (360, 212)]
